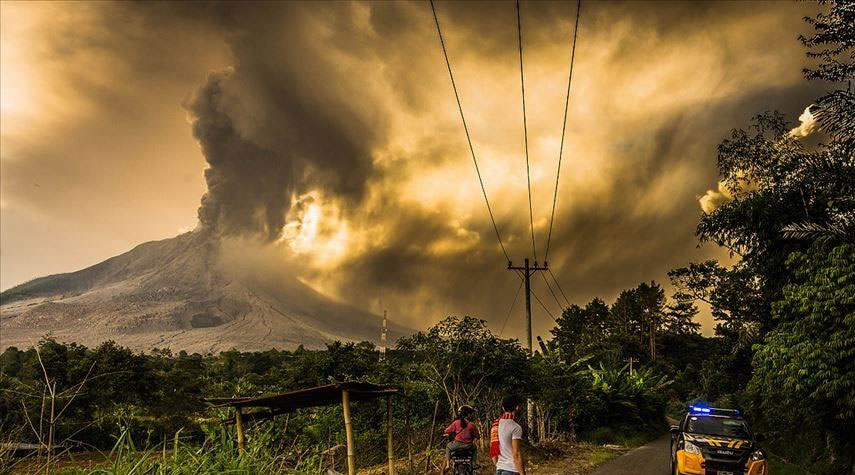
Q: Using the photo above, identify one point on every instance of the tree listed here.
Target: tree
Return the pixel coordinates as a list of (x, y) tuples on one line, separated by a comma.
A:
[(807, 363), (579, 329), (835, 38), (730, 293), (785, 193), (791, 223), (129, 380), (775, 182), (639, 312), (559, 383), (678, 318), (626, 313), (463, 360), (652, 303), (569, 329)]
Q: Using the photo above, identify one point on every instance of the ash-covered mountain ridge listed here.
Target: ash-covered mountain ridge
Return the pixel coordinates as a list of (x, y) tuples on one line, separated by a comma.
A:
[(178, 293)]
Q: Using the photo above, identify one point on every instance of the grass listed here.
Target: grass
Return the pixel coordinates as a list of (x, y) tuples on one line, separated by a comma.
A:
[(624, 436), (218, 455), (601, 455), (779, 467), (567, 459)]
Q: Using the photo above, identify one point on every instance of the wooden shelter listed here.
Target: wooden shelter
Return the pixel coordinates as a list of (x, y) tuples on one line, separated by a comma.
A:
[(344, 392)]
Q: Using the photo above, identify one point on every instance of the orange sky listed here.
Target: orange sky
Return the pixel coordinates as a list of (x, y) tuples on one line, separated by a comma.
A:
[(379, 200)]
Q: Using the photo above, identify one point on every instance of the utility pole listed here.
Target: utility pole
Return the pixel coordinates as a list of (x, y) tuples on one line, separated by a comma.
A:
[(527, 271), (383, 338)]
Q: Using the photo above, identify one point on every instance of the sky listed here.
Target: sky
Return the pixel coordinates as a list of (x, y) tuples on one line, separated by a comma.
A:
[(327, 135)]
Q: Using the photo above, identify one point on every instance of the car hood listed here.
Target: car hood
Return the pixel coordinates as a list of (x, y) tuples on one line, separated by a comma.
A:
[(718, 441)]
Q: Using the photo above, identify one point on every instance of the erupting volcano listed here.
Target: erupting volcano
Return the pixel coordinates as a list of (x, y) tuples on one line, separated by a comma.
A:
[(182, 294)]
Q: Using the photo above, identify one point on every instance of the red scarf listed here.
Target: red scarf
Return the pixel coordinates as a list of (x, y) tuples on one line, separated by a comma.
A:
[(494, 434)]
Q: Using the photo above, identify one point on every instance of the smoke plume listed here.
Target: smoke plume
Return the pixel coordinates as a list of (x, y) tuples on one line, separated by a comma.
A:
[(269, 132), (807, 124), (249, 187)]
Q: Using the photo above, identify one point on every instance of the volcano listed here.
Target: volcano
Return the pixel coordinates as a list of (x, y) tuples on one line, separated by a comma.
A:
[(178, 294)]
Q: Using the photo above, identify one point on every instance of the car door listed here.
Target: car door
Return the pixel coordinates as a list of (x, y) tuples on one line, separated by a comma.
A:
[(676, 433)]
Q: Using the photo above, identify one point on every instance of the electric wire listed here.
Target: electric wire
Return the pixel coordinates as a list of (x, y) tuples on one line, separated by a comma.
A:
[(563, 129), (544, 307), (511, 308), (525, 133), (521, 275), (559, 287), (560, 305), (528, 163), (466, 129)]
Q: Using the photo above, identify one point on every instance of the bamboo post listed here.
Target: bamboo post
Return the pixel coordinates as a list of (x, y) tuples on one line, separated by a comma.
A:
[(41, 423), (348, 430), (52, 425), (389, 443), (239, 427), (430, 437), (409, 440)]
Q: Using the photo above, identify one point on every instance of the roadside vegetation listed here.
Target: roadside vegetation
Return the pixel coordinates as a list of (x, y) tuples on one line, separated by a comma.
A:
[(783, 350), (148, 409)]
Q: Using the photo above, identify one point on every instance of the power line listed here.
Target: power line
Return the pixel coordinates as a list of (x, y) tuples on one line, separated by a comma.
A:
[(559, 287), (511, 308), (544, 307), (521, 275), (525, 133), (563, 128), (551, 291), (466, 129)]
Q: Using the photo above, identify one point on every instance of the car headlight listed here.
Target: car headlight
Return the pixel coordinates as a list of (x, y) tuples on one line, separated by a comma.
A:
[(758, 455), (691, 448)]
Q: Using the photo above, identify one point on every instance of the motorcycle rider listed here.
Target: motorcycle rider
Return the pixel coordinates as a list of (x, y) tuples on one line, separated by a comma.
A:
[(463, 432)]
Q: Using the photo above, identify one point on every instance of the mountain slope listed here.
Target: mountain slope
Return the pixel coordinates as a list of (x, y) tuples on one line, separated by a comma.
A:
[(177, 293)]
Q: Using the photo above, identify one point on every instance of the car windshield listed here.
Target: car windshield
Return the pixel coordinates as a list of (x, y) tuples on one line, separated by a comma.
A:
[(717, 426)]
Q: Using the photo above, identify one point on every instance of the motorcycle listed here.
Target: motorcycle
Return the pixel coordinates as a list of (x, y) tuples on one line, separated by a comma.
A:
[(461, 461)]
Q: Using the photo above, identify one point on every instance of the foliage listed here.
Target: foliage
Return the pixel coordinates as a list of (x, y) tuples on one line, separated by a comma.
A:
[(783, 305), (807, 364), (178, 457), (730, 293), (464, 360), (558, 387), (775, 182), (833, 40), (621, 399), (151, 397), (631, 328)]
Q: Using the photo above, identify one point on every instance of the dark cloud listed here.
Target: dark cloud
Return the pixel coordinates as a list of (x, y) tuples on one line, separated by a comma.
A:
[(317, 89), (350, 103)]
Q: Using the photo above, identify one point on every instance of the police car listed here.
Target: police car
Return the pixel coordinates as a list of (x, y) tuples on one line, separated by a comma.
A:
[(715, 441)]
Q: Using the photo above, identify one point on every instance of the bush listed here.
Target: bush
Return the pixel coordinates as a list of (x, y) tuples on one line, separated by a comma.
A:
[(618, 399)]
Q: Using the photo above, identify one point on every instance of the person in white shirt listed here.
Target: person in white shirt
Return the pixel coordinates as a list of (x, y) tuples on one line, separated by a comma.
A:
[(506, 439)]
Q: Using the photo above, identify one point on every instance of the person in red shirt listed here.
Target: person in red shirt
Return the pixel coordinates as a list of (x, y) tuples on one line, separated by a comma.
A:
[(463, 432)]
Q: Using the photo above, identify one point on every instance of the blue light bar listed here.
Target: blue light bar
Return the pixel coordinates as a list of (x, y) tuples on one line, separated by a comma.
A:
[(696, 409)]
